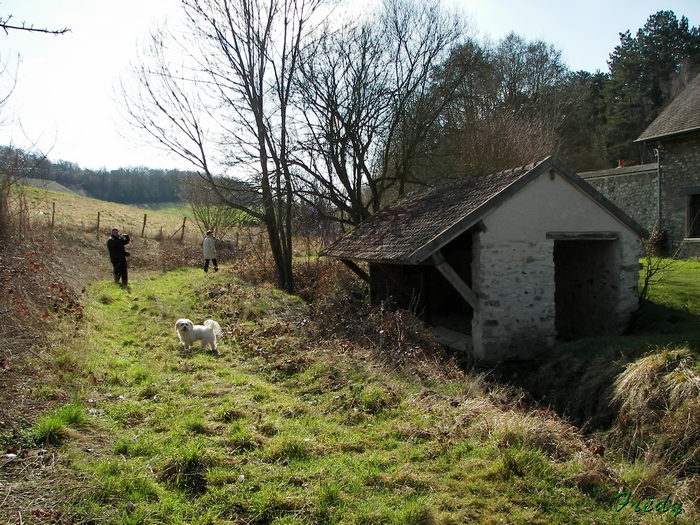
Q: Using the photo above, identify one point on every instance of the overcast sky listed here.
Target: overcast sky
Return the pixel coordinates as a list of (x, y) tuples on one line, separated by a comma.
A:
[(63, 100)]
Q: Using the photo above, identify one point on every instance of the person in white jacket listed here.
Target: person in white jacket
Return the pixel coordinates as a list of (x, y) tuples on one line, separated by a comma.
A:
[(209, 250)]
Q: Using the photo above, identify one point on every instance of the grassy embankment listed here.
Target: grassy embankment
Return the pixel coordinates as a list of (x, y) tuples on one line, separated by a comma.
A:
[(283, 428)]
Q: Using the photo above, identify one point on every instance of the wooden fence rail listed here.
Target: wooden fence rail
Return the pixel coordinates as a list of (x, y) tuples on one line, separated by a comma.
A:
[(181, 229)]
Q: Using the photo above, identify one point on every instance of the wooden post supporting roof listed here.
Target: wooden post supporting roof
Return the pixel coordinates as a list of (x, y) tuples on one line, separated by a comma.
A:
[(356, 269), (455, 280)]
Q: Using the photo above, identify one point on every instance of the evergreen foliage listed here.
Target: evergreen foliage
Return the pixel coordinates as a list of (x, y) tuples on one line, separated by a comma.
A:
[(647, 71)]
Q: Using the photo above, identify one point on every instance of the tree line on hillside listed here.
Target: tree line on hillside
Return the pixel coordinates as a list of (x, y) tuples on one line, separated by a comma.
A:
[(137, 186)]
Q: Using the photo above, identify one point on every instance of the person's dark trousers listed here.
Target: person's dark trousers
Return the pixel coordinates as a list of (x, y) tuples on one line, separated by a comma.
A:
[(206, 265), (121, 273)]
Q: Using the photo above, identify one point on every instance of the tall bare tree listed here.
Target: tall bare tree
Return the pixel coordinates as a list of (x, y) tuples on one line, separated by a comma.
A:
[(230, 103), (369, 102), (508, 111)]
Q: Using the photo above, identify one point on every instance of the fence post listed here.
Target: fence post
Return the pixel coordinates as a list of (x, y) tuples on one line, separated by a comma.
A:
[(144, 224), (53, 214), (182, 235), (97, 230)]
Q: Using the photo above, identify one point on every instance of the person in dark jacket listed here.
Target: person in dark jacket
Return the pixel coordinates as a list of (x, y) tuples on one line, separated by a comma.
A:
[(118, 254)]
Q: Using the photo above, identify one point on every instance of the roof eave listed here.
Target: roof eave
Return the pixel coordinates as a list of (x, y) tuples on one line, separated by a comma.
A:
[(365, 260), (668, 135)]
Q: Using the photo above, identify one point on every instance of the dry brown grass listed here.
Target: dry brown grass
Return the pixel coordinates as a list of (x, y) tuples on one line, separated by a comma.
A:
[(658, 398), (74, 213)]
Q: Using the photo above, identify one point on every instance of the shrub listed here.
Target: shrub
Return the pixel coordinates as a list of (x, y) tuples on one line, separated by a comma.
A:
[(173, 255)]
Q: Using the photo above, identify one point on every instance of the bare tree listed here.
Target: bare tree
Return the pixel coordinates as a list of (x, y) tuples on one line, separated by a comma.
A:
[(208, 211), (231, 104), (508, 111), (15, 165), (369, 104)]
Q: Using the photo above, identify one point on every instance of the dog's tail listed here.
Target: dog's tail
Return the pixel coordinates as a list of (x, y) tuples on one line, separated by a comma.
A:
[(210, 323)]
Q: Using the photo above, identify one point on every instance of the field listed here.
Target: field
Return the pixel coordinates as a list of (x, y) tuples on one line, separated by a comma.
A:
[(325, 411), (90, 215)]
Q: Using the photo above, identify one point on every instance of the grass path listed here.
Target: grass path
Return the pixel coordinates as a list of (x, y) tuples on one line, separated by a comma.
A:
[(283, 428)]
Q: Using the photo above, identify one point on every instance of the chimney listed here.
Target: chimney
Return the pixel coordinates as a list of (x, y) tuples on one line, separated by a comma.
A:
[(621, 163)]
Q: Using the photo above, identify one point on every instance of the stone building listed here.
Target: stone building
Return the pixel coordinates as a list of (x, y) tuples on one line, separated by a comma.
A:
[(666, 193), (633, 189), (504, 264)]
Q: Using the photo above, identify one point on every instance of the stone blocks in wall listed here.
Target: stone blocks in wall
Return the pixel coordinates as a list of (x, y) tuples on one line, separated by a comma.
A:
[(516, 300)]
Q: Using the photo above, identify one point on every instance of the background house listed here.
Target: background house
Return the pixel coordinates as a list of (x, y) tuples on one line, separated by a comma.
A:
[(666, 193), (633, 189), (503, 264)]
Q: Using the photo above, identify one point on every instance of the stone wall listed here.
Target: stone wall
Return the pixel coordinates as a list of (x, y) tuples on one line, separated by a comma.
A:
[(633, 189), (516, 299), (680, 175), (514, 272), (520, 313)]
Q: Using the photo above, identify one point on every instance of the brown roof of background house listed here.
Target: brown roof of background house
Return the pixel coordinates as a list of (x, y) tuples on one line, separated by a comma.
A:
[(623, 170), (682, 115), (414, 227)]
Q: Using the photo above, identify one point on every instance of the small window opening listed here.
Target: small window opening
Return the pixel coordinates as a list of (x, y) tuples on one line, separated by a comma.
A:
[(693, 216)]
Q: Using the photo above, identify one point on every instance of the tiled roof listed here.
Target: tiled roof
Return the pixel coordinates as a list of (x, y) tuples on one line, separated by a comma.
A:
[(414, 227), (681, 116), (399, 231)]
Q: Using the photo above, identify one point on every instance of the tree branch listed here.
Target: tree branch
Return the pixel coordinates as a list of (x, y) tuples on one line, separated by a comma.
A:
[(5, 26)]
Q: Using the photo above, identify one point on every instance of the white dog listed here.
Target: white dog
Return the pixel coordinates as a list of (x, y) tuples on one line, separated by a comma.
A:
[(189, 333)]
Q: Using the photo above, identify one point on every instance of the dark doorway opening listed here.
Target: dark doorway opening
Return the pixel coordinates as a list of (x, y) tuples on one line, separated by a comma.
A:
[(585, 292)]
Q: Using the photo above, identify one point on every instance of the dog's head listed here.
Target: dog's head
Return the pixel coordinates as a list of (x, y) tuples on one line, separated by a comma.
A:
[(184, 325)]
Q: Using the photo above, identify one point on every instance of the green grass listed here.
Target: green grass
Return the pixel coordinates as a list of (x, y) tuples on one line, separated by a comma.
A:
[(54, 427), (71, 212), (674, 310), (283, 428)]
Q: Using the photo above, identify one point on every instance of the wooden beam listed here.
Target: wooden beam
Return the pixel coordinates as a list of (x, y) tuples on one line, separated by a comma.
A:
[(582, 236), (357, 270), (455, 280)]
